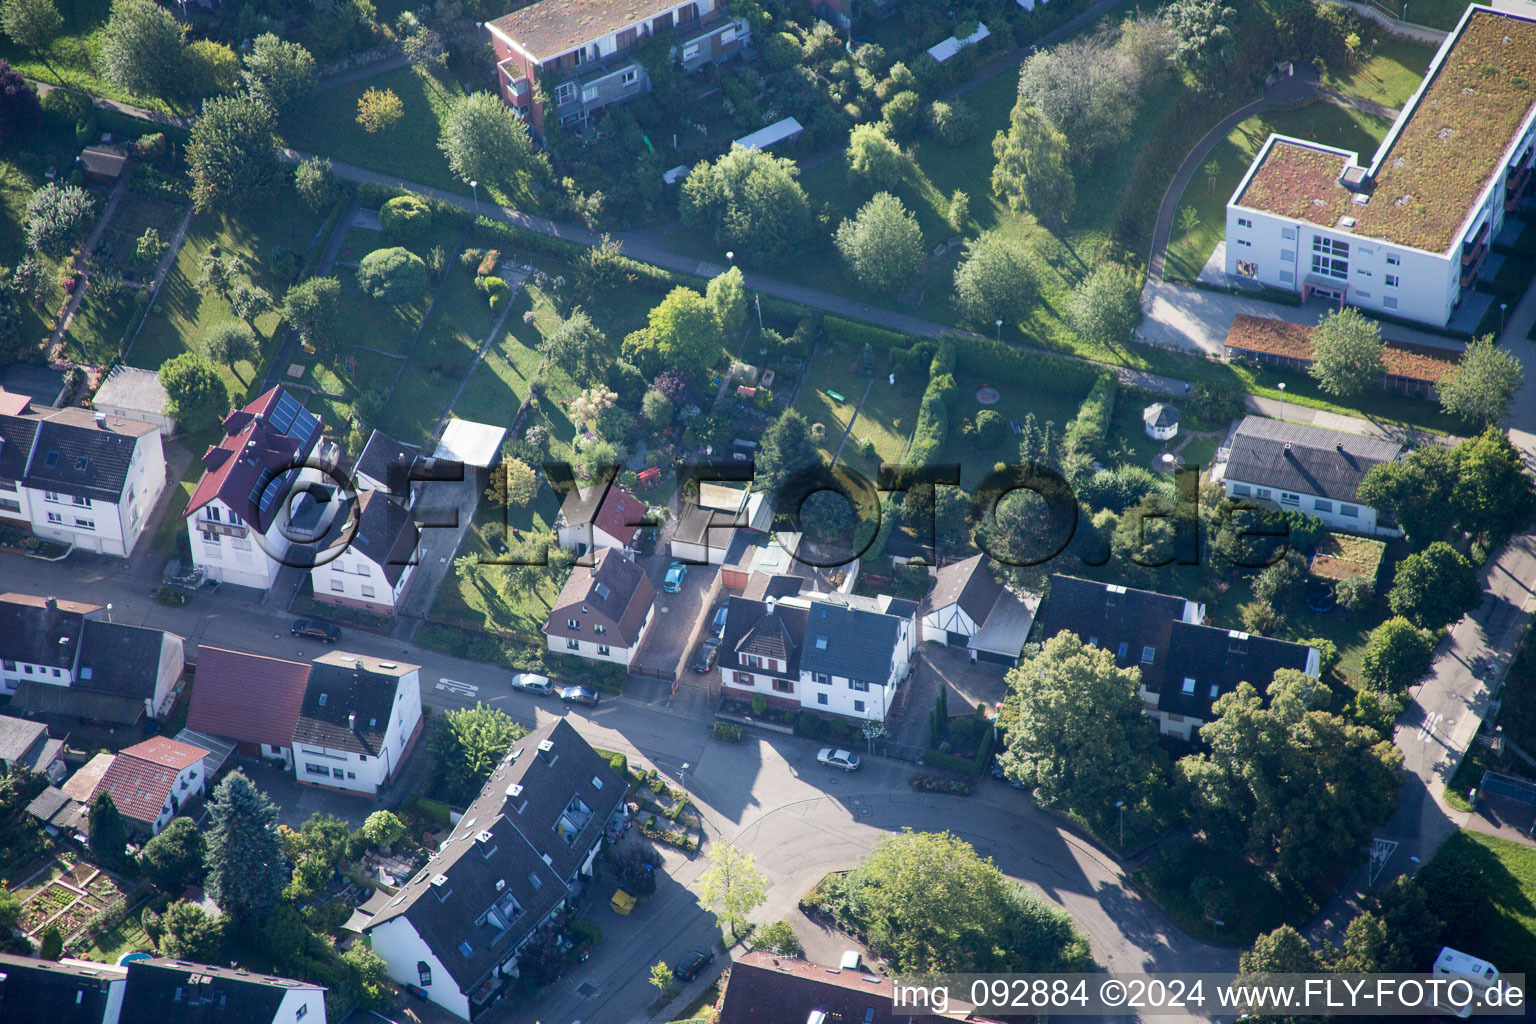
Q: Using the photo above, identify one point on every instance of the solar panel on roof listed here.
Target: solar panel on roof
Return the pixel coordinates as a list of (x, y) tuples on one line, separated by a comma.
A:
[(304, 426), (258, 491), (282, 416)]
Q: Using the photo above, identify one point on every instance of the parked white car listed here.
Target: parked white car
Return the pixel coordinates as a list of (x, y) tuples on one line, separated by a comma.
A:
[(843, 759), (531, 682)]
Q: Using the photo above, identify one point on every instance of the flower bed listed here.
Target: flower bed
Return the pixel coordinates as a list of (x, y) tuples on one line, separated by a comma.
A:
[(674, 837), (1340, 556), (931, 784), (103, 889)]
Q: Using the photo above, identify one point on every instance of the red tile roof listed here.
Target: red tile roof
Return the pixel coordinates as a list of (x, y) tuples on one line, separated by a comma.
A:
[(247, 697), (769, 989), (141, 777), (619, 515), (235, 463)]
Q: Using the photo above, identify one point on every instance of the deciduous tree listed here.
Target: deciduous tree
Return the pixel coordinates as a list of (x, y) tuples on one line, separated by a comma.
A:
[(232, 154), (173, 859), (33, 24), (1032, 171), (1346, 353), (279, 73), (1416, 491), (310, 306), (1396, 656), (1484, 384), (195, 395), (246, 871), (394, 275), (1434, 587), (1493, 494), (188, 932), (727, 295), (882, 243), (379, 110), (731, 885), (315, 182), (142, 48), (232, 342), (1081, 738), (1086, 89), (485, 141), (994, 281), (1206, 41), (57, 218), (467, 745), (873, 159), (514, 483), (683, 333), (750, 201), (1106, 305)]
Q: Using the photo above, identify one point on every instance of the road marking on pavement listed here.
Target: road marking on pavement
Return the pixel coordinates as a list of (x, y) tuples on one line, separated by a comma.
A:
[(1427, 730), (454, 686)]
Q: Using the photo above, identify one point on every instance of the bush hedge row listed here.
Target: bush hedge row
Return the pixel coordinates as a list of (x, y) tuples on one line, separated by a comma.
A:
[(840, 330), (1089, 428)]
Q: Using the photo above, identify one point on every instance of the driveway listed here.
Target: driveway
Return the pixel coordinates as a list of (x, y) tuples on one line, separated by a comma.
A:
[(936, 667), (440, 502), (666, 642), (1189, 319)]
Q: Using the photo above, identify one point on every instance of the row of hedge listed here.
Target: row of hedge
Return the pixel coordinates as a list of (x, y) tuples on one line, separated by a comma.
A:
[(1089, 428), (840, 330), (932, 429), (521, 656)]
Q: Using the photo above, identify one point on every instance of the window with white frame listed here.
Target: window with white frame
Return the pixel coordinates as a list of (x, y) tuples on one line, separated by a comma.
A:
[(81, 501), (1348, 510), (1394, 261), (690, 51), (1391, 280), (55, 517), (565, 92), (631, 76), (1287, 498), (1244, 222), (604, 650), (572, 644), (85, 524), (1321, 505), (367, 590), (337, 586), (1330, 257), (858, 707)]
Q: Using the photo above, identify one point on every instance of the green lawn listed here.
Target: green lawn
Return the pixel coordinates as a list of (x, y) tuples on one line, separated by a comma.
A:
[(74, 56), (1049, 405), (1442, 14), (459, 321), (1389, 75), (184, 314), (887, 417), (834, 368), (1192, 242), (1493, 884), (480, 604), (126, 936)]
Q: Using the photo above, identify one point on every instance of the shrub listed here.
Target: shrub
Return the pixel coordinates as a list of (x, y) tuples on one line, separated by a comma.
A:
[(488, 263), (406, 217), (990, 427), (730, 732), (392, 275), (1088, 429), (759, 704), (852, 332)]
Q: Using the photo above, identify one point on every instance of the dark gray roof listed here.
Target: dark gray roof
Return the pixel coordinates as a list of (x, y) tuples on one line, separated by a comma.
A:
[(901, 608), (386, 533), (1122, 620), (968, 583), (119, 659), (55, 807), (762, 585), (746, 620), (161, 991), (72, 455), (47, 699), (1303, 459), (1207, 662), (768, 637), (849, 642), (41, 990), (346, 707), (1159, 414), (33, 631), (387, 461), (497, 852), (19, 735), (16, 434)]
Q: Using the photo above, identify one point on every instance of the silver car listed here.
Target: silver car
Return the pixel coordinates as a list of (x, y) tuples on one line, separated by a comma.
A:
[(532, 682), (843, 759)]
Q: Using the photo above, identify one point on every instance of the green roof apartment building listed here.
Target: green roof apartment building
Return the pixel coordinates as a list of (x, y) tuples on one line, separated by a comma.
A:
[(1410, 233)]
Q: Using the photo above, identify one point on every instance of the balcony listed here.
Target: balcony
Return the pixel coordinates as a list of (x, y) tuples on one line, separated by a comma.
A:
[(223, 529), (1473, 248), (681, 37)]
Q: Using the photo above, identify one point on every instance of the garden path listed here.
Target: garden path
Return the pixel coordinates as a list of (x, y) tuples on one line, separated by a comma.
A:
[(515, 282), (848, 431), (91, 241)]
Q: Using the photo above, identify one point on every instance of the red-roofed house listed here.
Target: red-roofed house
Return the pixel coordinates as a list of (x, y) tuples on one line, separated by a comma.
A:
[(767, 989), (151, 782), (249, 698), (247, 480), (601, 516)]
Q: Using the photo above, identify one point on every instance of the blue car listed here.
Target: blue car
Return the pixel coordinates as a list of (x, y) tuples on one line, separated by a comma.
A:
[(672, 582)]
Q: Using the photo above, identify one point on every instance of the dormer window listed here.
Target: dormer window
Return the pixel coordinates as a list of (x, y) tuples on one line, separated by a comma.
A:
[(1148, 654)]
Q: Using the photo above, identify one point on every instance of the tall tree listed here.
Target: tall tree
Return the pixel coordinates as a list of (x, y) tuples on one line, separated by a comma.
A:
[(20, 110), (873, 159), (1493, 495), (994, 281), (1080, 734), (467, 746), (785, 449), (574, 346), (1434, 587), (1484, 384), (926, 901), (246, 870), (513, 484), (882, 243), (1416, 491), (57, 218), (315, 182), (751, 201), (1106, 305), (1300, 788), (195, 395), (33, 24), (727, 295), (1282, 951), (232, 154), (1346, 353), (1206, 43), (485, 141), (142, 48), (279, 73), (1396, 656), (232, 342), (684, 332), (188, 932), (731, 885), (173, 859), (108, 835), (1086, 89), (310, 308), (1032, 170)]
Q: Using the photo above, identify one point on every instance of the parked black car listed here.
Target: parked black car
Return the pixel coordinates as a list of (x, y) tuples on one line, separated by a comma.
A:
[(579, 695), (709, 651), (314, 629), (691, 963)]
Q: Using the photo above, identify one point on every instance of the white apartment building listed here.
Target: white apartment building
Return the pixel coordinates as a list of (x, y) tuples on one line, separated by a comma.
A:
[(1408, 233), (360, 718), (77, 477), (239, 515)]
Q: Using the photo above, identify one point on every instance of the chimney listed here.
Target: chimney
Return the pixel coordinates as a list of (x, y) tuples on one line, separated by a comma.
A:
[(770, 603), (1338, 446), (51, 603), (547, 751), (101, 421), (351, 722)]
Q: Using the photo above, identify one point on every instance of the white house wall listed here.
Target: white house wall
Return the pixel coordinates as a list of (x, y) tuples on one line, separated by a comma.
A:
[(102, 527), (353, 577), (301, 1004), (13, 673), (589, 649), (1365, 522), (401, 948)]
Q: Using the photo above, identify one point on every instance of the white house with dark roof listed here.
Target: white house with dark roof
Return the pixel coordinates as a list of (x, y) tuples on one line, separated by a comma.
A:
[(455, 929), (369, 568), (71, 476), (359, 720), (132, 393), (1307, 469), (1411, 232), (161, 991), (239, 513), (66, 991), (969, 608), (603, 515), (603, 610), (26, 745)]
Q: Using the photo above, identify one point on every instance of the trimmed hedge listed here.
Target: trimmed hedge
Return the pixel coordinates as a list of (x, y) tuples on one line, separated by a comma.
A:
[(1089, 428), (530, 243), (615, 758), (841, 330), (1002, 363)]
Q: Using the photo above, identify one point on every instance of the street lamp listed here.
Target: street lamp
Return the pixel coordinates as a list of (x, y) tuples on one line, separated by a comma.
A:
[(999, 330), (109, 611), (730, 257), (1503, 307), (682, 781), (1120, 805), (474, 189)]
